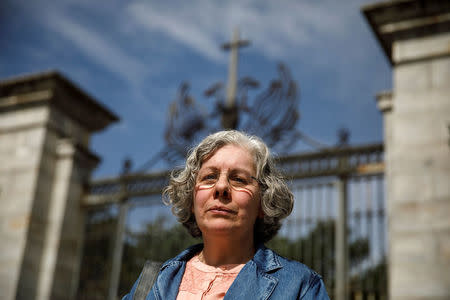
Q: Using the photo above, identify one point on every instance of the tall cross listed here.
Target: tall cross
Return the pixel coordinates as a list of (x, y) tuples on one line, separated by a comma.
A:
[(230, 121)]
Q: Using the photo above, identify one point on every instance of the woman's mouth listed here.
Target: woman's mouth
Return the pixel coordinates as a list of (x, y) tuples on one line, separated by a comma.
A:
[(220, 210)]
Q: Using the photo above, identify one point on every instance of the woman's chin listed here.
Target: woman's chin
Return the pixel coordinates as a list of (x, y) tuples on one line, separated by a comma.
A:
[(218, 226)]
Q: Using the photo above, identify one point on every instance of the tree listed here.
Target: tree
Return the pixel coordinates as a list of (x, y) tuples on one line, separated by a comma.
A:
[(317, 250), (96, 263), (158, 242)]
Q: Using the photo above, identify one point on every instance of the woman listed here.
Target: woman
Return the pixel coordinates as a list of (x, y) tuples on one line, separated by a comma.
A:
[(231, 196)]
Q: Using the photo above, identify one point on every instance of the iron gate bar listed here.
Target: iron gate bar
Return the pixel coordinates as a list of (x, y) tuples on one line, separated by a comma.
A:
[(108, 191), (364, 159), (339, 161)]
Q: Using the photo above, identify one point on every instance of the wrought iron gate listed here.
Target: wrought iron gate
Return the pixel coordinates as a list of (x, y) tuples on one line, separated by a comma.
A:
[(337, 226)]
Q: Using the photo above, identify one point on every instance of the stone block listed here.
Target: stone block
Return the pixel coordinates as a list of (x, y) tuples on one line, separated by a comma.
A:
[(427, 100), (411, 126), (419, 280), (419, 217), (412, 77), (440, 74), (21, 150), (444, 248), (411, 248), (421, 48), (19, 119)]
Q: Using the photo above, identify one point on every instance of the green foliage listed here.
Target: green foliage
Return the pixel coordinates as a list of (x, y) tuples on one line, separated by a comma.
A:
[(373, 279), (96, 264), (317, 250), (158, 242)]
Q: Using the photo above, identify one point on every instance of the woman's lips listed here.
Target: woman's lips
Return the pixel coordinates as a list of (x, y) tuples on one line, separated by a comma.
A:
[(221, 210)]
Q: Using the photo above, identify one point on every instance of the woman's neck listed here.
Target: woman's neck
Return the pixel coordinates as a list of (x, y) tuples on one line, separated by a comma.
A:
[(218, 251)]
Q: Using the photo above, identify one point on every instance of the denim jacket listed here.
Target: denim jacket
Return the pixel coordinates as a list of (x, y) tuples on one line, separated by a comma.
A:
[(266, 276)]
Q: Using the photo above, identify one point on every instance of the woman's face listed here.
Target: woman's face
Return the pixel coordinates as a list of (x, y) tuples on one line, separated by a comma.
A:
[(227, 195)]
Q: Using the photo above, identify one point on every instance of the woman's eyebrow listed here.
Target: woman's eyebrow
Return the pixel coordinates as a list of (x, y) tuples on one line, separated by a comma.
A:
[(232, 171), (240, 170), (202, 170)]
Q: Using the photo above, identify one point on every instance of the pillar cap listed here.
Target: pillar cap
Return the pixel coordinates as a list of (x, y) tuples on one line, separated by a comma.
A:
[(52, 88), (406, 19)]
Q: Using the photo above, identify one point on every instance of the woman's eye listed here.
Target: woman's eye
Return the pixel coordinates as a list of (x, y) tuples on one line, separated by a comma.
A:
[(239, 180), (209, 177)]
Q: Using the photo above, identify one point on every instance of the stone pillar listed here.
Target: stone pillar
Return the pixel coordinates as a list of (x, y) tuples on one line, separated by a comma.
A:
[(415, 36), (45, 127)]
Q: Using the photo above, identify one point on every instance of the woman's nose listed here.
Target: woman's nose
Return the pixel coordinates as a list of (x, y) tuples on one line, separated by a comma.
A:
[(222, 187)]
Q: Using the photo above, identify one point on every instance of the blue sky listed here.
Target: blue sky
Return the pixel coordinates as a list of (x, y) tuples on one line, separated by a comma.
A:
[(132, 56)]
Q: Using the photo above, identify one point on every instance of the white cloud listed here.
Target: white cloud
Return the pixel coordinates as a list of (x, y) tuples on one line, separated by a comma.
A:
[(186, 30), (318, 33), (276, 28), (325, 37), (88, 28), (98, 49)]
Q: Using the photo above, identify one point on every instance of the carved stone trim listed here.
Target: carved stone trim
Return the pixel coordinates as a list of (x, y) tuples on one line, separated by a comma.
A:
[(58, 91), (401, 20), (385, 101)]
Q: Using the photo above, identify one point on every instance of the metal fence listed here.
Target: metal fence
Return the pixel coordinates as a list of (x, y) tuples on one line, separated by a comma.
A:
[(310, 232), (337, 226)]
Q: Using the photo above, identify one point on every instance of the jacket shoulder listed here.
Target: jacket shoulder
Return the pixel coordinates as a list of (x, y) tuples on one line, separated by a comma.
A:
[(297, 276), (274, 262), (297, 267)]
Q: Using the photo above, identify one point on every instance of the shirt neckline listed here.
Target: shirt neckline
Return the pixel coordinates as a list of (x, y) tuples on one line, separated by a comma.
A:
[(229, 269)]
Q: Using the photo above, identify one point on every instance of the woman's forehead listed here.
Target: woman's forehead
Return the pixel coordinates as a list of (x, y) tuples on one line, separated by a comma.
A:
[(231, 156)]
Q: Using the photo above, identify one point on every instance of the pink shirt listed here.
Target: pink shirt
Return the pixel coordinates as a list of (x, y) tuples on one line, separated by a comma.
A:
[(201, 281)]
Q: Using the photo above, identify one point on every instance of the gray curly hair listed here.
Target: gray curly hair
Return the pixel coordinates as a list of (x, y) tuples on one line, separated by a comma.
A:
[(276, 198)]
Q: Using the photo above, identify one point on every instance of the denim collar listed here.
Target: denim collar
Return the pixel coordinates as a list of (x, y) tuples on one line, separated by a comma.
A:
[(265, 259)]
